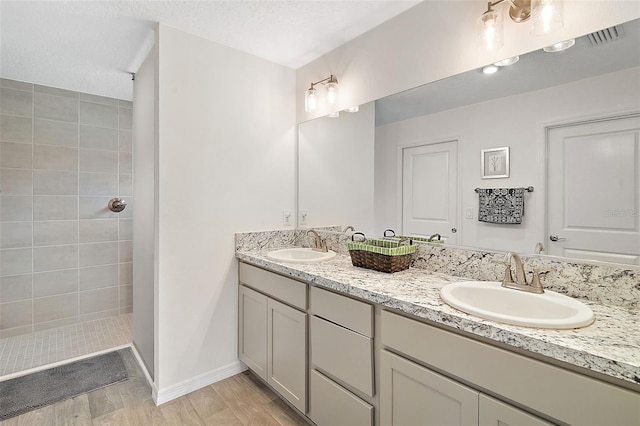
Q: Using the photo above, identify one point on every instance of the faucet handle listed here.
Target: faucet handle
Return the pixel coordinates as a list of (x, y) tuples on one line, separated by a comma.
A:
[(535, 281)]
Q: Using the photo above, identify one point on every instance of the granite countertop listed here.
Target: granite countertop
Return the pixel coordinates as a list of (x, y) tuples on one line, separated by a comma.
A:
[(610, 346)]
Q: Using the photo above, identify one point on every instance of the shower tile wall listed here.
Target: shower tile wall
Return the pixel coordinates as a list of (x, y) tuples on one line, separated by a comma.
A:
[(64, 257)]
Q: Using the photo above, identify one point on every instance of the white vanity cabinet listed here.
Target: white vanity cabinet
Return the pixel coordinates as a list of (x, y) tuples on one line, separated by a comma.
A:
[(342, 360), (272, 331), (423, 368)]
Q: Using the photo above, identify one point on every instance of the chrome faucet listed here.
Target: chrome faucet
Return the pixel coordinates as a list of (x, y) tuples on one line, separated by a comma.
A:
[(318, 243), (539, 248), (520, 282)]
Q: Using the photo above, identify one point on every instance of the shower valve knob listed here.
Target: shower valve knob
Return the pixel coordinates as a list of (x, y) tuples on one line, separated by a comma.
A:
[(117, 205)]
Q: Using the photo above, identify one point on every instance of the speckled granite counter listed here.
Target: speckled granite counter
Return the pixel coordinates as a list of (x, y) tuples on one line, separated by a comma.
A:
[(610, 346)]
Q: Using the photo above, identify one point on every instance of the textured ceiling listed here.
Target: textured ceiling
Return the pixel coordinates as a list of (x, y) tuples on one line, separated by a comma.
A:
[(91, 46)]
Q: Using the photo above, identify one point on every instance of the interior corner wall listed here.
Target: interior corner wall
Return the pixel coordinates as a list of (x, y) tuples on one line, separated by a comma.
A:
[(226, 164), (145, 214), (437, 39)]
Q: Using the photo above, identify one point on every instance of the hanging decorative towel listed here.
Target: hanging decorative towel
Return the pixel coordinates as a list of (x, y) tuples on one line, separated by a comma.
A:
[(501, 205)]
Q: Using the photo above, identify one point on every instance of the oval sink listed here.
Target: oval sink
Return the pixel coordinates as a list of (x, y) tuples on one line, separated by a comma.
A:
[(489, 300), (300, 255)]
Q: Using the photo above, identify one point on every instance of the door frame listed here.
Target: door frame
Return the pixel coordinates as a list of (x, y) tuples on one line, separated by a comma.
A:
[(543, 150), (400, 169)]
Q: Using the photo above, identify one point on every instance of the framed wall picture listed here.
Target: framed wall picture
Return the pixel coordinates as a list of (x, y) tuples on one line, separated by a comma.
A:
[(495, 163)]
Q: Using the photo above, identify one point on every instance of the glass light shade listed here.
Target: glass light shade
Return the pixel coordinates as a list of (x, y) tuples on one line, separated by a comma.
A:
[(490, 69), (559, 47), (490, 29), (332, 92), (353, 109), (310, 100), (334, 114), (547, 16), (506, 62)]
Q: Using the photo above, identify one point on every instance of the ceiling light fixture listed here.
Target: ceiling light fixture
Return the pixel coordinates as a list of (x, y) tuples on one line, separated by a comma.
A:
[(548, 15), (311, 95), (559, 47)]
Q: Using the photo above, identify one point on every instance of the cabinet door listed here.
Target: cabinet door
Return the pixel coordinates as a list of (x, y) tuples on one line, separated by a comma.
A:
[(497, 413), (287, 353), (252, 330), (413, 395)]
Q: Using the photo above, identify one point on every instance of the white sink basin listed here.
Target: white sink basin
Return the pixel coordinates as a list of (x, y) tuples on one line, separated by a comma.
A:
[(489, 300), (300, 255)]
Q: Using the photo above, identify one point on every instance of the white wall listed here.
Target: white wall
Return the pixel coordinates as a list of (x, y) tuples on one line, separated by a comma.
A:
[(145, 213), (515, 121), (437, 39), (226, 161), (345, 146)]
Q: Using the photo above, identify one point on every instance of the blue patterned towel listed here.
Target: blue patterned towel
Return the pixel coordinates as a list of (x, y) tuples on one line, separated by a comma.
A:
[(501, 205)]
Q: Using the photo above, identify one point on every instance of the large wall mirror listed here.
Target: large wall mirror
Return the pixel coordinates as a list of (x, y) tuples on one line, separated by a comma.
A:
[(564, 126)]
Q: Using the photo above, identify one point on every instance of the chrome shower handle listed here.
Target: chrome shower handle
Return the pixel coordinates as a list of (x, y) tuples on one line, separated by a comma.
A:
[(116, 205)]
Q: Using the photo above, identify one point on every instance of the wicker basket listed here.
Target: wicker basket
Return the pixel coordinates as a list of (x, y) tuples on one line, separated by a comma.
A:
[(381, 255)]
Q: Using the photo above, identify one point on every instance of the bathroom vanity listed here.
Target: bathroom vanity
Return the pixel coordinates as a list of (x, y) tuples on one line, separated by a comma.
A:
[(351, 346)]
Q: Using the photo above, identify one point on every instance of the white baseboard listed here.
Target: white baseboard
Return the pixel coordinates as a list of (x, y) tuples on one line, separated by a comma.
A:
[(143, 367), (179, 389)]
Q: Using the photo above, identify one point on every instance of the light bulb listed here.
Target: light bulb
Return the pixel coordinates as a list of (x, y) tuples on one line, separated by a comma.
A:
[(559, 47), (506, 62), (548, 16), (310, 100), (490, 28), (490, 69), (332, 92)]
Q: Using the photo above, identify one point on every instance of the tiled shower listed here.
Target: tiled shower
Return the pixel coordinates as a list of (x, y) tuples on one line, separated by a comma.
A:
[(65, 258)]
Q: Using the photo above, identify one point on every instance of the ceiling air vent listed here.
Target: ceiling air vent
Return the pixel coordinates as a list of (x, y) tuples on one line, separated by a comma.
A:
[(606, 36)]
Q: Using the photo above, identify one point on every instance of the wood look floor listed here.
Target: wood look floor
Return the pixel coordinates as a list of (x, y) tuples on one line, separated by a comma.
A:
[(239, 400)]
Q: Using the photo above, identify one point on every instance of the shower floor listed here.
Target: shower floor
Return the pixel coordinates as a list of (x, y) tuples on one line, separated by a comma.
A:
[(30, 351)]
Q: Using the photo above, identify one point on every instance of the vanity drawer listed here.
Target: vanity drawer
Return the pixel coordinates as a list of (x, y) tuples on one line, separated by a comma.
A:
[(282, 288), (332, 405), (343, 354), (349, 313)]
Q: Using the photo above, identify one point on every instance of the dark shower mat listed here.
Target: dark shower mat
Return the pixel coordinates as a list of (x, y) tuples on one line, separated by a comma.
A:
[(26, 393)]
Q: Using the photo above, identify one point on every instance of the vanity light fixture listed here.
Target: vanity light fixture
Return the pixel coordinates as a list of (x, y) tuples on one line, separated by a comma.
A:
[(311, 95), (506, 62), (495, 67), (559, 47), (353, 109), (334, 114), (548, 15), (490, 69)]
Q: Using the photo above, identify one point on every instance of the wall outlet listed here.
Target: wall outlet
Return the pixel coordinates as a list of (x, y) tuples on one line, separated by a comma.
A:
[(286, 217), (303, 217), (469, 214)]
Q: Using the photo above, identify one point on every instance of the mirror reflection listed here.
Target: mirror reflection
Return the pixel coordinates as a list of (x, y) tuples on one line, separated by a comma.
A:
[(565, 124)]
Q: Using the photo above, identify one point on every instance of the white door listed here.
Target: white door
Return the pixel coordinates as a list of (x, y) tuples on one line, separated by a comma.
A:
[(593, 179), (429, 190)]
